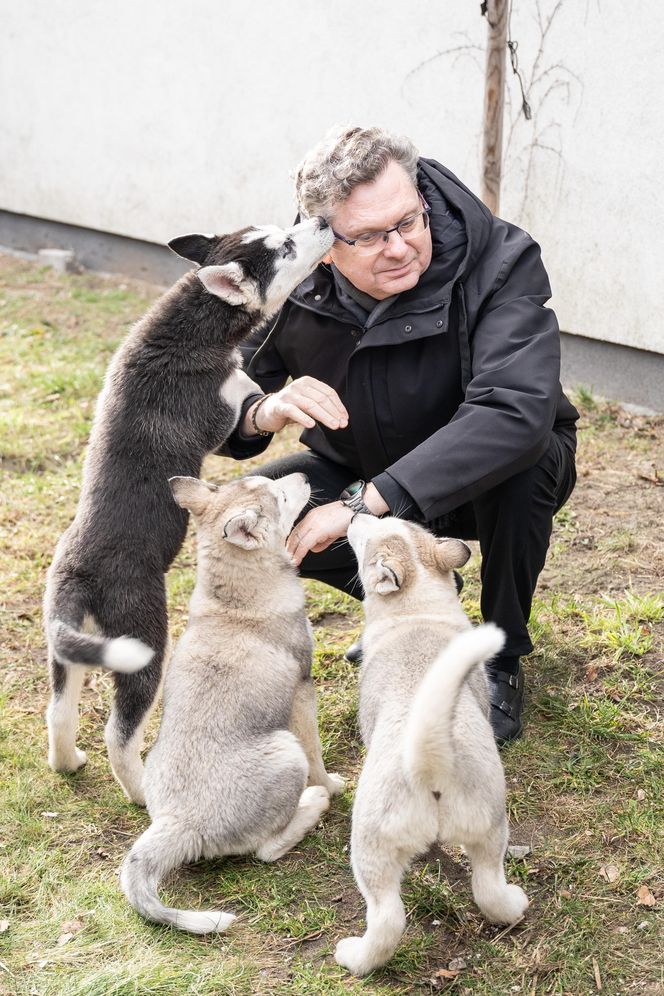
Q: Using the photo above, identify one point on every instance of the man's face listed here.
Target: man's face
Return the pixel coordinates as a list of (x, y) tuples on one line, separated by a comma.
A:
[(372, 207)]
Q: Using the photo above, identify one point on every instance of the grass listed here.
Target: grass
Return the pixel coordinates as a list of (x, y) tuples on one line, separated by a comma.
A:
[(585, 783)]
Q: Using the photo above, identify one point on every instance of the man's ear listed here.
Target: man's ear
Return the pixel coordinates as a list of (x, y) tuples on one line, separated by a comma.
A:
[(230, 283), (450, 553), (191, 493), (245, 529), (194, 247), (389, 576)]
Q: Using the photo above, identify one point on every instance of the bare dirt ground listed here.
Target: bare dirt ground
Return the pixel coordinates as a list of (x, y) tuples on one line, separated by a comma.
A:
[(617, 506)]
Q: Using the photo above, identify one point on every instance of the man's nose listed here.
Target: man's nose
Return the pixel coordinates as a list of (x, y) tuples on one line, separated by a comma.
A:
[(396, 246)]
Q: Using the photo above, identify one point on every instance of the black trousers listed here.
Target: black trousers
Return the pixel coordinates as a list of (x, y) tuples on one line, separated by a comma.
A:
[(511, 521)]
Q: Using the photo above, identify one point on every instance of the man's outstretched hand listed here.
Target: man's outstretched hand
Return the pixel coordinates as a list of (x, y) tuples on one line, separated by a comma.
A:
[(304, 402)]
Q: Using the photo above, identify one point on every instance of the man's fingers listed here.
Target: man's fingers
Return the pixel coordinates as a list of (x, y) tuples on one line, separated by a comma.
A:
[(306, 412), (321, 545), (294, 414), (324, 394), (317, 530), (297, 547), (323, 411), (320, 400)]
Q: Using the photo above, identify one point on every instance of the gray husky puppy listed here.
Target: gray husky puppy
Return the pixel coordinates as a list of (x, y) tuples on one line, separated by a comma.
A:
[(432, 770), (172, 394), (238, 742)]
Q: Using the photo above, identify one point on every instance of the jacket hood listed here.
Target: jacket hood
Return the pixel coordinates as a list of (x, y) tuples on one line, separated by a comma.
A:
[(445, 194), (447, 191)]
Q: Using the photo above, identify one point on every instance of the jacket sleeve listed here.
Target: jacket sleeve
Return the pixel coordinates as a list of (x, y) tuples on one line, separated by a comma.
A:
[(262, 362), (502, 427)]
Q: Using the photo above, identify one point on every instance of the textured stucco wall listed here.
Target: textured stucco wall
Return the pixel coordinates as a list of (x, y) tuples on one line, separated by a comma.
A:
[(155, 118)]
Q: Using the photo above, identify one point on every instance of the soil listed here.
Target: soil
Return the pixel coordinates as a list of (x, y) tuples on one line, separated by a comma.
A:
[(617, 507)]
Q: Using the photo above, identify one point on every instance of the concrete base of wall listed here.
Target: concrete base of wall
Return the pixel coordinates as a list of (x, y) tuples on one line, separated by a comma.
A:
[(94, 250), (621, 373)]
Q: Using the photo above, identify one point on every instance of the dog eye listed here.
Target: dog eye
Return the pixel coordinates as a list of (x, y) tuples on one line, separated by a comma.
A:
[(288, 249)]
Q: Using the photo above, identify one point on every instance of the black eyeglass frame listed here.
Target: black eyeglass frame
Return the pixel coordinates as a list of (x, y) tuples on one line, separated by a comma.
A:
[(386, 232)]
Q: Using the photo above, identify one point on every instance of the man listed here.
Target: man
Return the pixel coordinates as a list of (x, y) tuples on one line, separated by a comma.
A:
[(425, 375)]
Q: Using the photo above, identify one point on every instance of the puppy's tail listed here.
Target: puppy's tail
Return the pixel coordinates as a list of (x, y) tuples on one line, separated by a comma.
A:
[(428, 743), (124, 653), (164, 846)]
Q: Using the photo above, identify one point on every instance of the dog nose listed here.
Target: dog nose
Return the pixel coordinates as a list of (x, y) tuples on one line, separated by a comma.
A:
[(322, 224)]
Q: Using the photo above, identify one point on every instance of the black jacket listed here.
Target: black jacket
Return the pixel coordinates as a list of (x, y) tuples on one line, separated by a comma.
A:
[(450, 389)]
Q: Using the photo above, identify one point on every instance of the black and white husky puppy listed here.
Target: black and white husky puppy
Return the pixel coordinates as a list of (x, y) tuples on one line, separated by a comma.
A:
[(172, 394)]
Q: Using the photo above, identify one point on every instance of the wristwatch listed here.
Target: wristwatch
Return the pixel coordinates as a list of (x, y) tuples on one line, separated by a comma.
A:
[(353, 497)]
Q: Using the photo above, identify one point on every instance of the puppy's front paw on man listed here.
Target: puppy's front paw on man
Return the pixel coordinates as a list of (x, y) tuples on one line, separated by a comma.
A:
[(352, 953)]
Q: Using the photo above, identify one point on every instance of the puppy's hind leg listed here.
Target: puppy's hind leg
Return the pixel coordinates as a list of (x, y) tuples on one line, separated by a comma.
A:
[(498, 901), (62, 717), (313, 803), (135, 697), (378, 868), (304, 724)]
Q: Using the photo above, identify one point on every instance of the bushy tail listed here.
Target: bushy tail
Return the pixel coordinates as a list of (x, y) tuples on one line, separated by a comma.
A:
[(124, 653), (428, 745), (164, 846)]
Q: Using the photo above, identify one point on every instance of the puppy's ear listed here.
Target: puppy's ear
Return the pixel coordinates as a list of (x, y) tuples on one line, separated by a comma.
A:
[(389, 575), (230, 283), (451, 553), (191, 493), (245, 529), (194, 247)]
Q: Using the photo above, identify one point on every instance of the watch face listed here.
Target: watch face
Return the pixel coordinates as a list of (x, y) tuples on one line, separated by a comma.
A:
[(354, 488)]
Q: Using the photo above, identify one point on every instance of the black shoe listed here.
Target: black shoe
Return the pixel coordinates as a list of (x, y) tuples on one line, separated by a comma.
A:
[(354, 653), (506, 694)]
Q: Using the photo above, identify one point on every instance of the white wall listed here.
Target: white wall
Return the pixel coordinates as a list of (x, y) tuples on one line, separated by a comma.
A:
[(158, 117)]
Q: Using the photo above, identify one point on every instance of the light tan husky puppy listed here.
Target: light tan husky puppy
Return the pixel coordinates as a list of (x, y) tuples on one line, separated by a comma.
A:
[(432, 770), (238, 742)]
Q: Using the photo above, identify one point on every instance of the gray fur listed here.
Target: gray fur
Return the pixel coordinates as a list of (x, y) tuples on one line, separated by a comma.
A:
[(227, 775), (172, 394), (432, 770)]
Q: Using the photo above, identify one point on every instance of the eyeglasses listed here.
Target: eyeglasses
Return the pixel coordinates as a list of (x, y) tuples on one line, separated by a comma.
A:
[(371, 243)]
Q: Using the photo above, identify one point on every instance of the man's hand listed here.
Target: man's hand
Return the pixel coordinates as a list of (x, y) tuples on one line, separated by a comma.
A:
[(323, 525), (318, 529), (304, 402)]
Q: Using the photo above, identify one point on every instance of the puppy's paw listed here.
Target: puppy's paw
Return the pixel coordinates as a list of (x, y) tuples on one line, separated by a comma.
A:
[(352, 953), (67, 762), (335, 784), (315, 797), (508, 907), (516, 902), (135, 795)]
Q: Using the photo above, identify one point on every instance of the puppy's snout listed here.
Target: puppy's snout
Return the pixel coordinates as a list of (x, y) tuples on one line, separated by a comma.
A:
[(297, 487)]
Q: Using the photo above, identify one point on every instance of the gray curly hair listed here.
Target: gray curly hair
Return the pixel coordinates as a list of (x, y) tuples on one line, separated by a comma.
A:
[(346, 157)]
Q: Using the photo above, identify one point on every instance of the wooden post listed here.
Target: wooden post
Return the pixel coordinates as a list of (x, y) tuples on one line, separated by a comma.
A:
[(494, 97)]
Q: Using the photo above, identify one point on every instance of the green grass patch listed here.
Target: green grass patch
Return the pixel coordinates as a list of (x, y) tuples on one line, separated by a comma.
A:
[(584, 784)]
